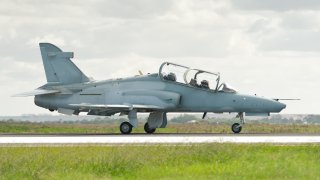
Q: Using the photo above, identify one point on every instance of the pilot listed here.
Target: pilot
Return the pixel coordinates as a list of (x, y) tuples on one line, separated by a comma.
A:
[(193, 82), (204, 84), (171, 77)]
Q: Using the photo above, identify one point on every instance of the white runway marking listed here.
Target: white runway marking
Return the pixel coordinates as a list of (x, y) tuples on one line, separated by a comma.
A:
[(152, 139)]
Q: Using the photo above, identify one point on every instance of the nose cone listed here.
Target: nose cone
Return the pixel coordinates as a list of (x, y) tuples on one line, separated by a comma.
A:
[(278, 106), (281, 106), (272, 105)]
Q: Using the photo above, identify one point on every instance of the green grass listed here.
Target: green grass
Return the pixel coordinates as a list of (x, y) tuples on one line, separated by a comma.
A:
[(47, 128), (213, 161)]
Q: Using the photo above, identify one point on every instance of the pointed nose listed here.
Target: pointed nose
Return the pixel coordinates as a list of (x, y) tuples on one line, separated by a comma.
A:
[(281, 106), (273, 106)]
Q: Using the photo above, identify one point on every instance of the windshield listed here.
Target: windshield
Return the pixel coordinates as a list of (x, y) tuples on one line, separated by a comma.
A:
[(224, 87)]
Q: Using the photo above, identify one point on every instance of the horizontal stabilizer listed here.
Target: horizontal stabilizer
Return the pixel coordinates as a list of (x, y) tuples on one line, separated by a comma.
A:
[(115, 106), (36, 92)]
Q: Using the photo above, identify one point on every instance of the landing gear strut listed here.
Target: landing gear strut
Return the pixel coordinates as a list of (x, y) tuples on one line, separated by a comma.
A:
[(125, 128), (236, 127), (147, 129)]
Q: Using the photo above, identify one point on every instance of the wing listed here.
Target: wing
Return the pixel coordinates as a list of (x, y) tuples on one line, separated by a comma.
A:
[(119, 107), (36, 92)]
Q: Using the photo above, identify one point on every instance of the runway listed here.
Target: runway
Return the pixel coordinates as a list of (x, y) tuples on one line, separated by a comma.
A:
[(158, 138)]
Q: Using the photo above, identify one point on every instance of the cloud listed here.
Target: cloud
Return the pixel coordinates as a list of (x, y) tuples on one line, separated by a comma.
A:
[(301, 20), (13, 71), (128, 9), (275, 5), (47, 38), (304, 41), (258, 46)]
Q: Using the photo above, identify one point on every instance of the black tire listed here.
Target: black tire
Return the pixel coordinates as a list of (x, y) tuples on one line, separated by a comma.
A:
[(149, 130), (236, 128), (125, 128)]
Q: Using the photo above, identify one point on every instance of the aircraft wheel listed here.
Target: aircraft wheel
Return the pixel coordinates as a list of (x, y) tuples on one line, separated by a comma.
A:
[(236, 128), (125, 128), (149, 130)]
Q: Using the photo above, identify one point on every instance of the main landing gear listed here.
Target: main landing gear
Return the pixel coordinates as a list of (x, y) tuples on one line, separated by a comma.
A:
[(147, 128), (236, 127), (155, 120), (125, 128)]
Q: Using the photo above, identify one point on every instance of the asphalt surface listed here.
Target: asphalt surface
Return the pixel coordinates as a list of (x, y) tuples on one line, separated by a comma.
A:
[(156, 138)]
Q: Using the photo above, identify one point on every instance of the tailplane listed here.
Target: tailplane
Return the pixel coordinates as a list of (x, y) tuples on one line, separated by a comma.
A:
[(58, 67)]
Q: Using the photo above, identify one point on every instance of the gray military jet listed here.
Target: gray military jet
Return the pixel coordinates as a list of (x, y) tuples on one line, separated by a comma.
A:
[(175, 88)]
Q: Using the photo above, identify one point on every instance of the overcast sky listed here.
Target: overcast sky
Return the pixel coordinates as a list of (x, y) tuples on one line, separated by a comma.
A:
[(271, 47)]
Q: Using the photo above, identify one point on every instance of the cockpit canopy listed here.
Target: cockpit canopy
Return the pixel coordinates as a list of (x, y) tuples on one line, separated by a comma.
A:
[(193, 77)]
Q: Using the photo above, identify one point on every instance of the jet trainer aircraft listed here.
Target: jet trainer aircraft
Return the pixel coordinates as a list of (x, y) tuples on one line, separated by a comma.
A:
[(175, 88)]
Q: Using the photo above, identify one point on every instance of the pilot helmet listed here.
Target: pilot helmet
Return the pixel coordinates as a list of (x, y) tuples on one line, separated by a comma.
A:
[(172, 76), (205, 83)]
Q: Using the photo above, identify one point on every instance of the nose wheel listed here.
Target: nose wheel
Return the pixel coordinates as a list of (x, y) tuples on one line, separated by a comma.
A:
[(125, 128), (237, 127)]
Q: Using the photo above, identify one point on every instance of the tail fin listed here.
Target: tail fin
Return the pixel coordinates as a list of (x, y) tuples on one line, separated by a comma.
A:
[(58, 66)]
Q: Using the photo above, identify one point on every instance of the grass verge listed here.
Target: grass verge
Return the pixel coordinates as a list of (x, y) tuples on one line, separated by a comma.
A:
[(204, 127), (203, 161)]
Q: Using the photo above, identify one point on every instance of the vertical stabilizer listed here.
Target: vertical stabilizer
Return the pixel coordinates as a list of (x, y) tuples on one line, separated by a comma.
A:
[(58, 66)]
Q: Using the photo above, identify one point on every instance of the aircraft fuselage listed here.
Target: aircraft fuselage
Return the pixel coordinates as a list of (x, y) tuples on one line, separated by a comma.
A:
[(150, 89)]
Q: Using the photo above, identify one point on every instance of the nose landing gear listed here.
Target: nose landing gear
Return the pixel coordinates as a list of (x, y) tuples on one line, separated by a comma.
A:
[(236, 127)]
